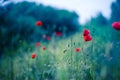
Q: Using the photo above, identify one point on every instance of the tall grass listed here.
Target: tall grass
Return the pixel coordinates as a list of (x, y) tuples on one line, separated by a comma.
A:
[(95, 61)]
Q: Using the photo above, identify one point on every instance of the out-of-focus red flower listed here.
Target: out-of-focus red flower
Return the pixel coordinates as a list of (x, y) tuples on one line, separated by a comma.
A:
[(116, 25), (58, 34), (38, 44), (43, 48), (33, 55), (48, 38), (87, 38), (77, 49), (86, 32), (39, 23)]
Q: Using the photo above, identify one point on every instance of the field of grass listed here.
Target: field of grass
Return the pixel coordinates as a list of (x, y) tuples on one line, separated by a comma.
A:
[(95, 60)]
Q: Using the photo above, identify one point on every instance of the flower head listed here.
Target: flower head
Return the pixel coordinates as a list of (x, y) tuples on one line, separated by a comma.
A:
[(33, 55), (48, 38), (116, 25), (58, 34), (38, 44), (86, 32), (77, 49), (39, 23), (87, 38)]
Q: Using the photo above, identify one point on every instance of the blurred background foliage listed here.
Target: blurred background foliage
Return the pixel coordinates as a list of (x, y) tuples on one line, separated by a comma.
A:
[(17, 22), (97, 60)]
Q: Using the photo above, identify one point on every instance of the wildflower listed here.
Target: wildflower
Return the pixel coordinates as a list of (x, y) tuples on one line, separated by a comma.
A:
[(116, 25), (33, 55), (86, 35), (77, 49), (48, 38), (86, 32), (87, 38), (38, 44), (39, 23), (58, 34)]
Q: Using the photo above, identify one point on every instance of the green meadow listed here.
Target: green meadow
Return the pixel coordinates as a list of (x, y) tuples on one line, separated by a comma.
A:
[(98, 59)]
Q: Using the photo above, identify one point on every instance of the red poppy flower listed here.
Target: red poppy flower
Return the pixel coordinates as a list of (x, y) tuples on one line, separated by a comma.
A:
[(39, 23), (116, 25), (87, 38), (86, 32), (77, 49), (44, 48), (38, 44), (58, 34), (33, 55), (48, 38)]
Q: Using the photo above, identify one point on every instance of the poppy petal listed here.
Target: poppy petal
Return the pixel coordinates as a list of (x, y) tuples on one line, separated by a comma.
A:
[(48, 38), (87, 38), (116, 25), (33, 55), (86, 32), (77, 49), (38, 44), (39, 23), (58, 34)]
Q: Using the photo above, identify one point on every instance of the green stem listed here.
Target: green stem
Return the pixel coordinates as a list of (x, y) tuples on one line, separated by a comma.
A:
[(12, 67), (71, 54)]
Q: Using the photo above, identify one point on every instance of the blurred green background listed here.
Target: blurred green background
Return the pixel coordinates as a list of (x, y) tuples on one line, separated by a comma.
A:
[(98, 59)]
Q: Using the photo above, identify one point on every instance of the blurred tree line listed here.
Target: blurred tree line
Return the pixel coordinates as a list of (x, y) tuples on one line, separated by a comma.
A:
[(100, 19), (17, 22), (115, 13)]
